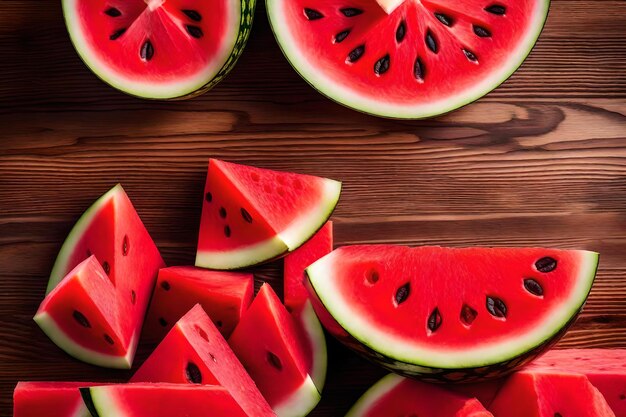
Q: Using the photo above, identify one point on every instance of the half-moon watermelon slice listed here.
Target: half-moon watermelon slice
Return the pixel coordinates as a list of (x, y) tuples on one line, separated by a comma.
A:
[(451, 314), (425, 58), (159, 49), (251, 215)]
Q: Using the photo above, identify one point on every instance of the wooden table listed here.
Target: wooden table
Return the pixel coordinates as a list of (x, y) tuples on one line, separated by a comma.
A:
[(540, 161)]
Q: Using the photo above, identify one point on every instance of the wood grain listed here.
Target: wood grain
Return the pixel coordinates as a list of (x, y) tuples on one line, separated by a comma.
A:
[(540, 161)]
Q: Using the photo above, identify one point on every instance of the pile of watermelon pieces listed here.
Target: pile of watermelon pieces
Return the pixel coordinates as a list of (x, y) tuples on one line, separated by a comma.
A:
[(224, 351)]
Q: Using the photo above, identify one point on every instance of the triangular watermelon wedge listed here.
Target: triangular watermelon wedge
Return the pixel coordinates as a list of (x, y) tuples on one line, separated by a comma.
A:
[(251, 215)]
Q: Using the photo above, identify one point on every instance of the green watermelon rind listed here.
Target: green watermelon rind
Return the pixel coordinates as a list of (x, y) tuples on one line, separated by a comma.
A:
[(381, 388), (383, 348), (340, 94), (99, 403), (85, 393), (301, 402), (58, 337), (313, 329), (285, 241), (176, 91)]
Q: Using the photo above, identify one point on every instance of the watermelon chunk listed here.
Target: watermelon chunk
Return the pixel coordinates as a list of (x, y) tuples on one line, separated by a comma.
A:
[(112, 231), (397, 396), (50, 399), (537, 394), (268, 344), (224, 296), (296, 262), (605, 368), (251, 215), (195, 352), (452, 314), (161, 400)]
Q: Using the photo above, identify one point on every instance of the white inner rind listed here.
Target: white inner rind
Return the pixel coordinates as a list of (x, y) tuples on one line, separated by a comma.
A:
[(322, 80), (151, 89), (374, 394), (322, 277), (301, 402), (315, 333), (240, 257), (104, 404)]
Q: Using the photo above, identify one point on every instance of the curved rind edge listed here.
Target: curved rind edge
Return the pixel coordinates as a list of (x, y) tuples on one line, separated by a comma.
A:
[(301, 402), (385, 385), (315, 333)]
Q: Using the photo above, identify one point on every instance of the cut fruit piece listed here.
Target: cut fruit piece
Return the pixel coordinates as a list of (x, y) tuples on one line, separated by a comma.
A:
[(161, 400), (310, 330), (112, 231), (50, 399), (296, 262), (224, 296), (487, 310), (605, 368), (195, 352), (159, 49), (251, 215), (397, 396), (537, 394), (81, 317), (423, 59), (270, 348)]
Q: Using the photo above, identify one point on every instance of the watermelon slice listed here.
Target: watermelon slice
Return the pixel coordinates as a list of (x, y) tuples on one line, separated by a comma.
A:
[(311, 332), (423, 59), (397, 396), (50, 399), (605, 368), (295, 263), (536, 394), (161, 400), (251, 215), (195, 352), (224, 296), (156, 48), (268, 344), (112, 231), (452, 314)]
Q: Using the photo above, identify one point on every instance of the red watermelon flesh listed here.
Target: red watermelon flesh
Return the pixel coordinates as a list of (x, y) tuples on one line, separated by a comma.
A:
[(397, 396), (224, 296), (194, 351), (296, 262), (605, 368), (50, 399), (251, 215), (81, 316), (476, 306), (270, 348), (161, 400), (539, 394)]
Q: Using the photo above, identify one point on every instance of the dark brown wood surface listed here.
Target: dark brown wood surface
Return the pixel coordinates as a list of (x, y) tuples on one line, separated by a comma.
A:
[(540, 161)]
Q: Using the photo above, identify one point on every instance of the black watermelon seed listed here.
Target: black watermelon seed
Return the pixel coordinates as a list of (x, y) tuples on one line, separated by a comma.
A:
[(312, 14), (219, 323), (194, 31), (213, 358), (81, 319), (431, 43), (402, 293), (113, 12), (419, 71), (434, 320), (372, 276), (117, 34), (193, 374), (481, 31), (223, 212), (108, 339), (133, 297), (356, 53), (546, 264), (401, 32), (208, 197), (468, 315), (88, 253), (496, 307), (351, 11), (165, 285), (274, 361), (147, 50), (533, 287), (125, 245), (382, 65), (162, 322), (557, 415), (227, 231), (246, 216), (496, 9), (106, 267), (193, 15), (341, 36), (445, 19), (470, 55)]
